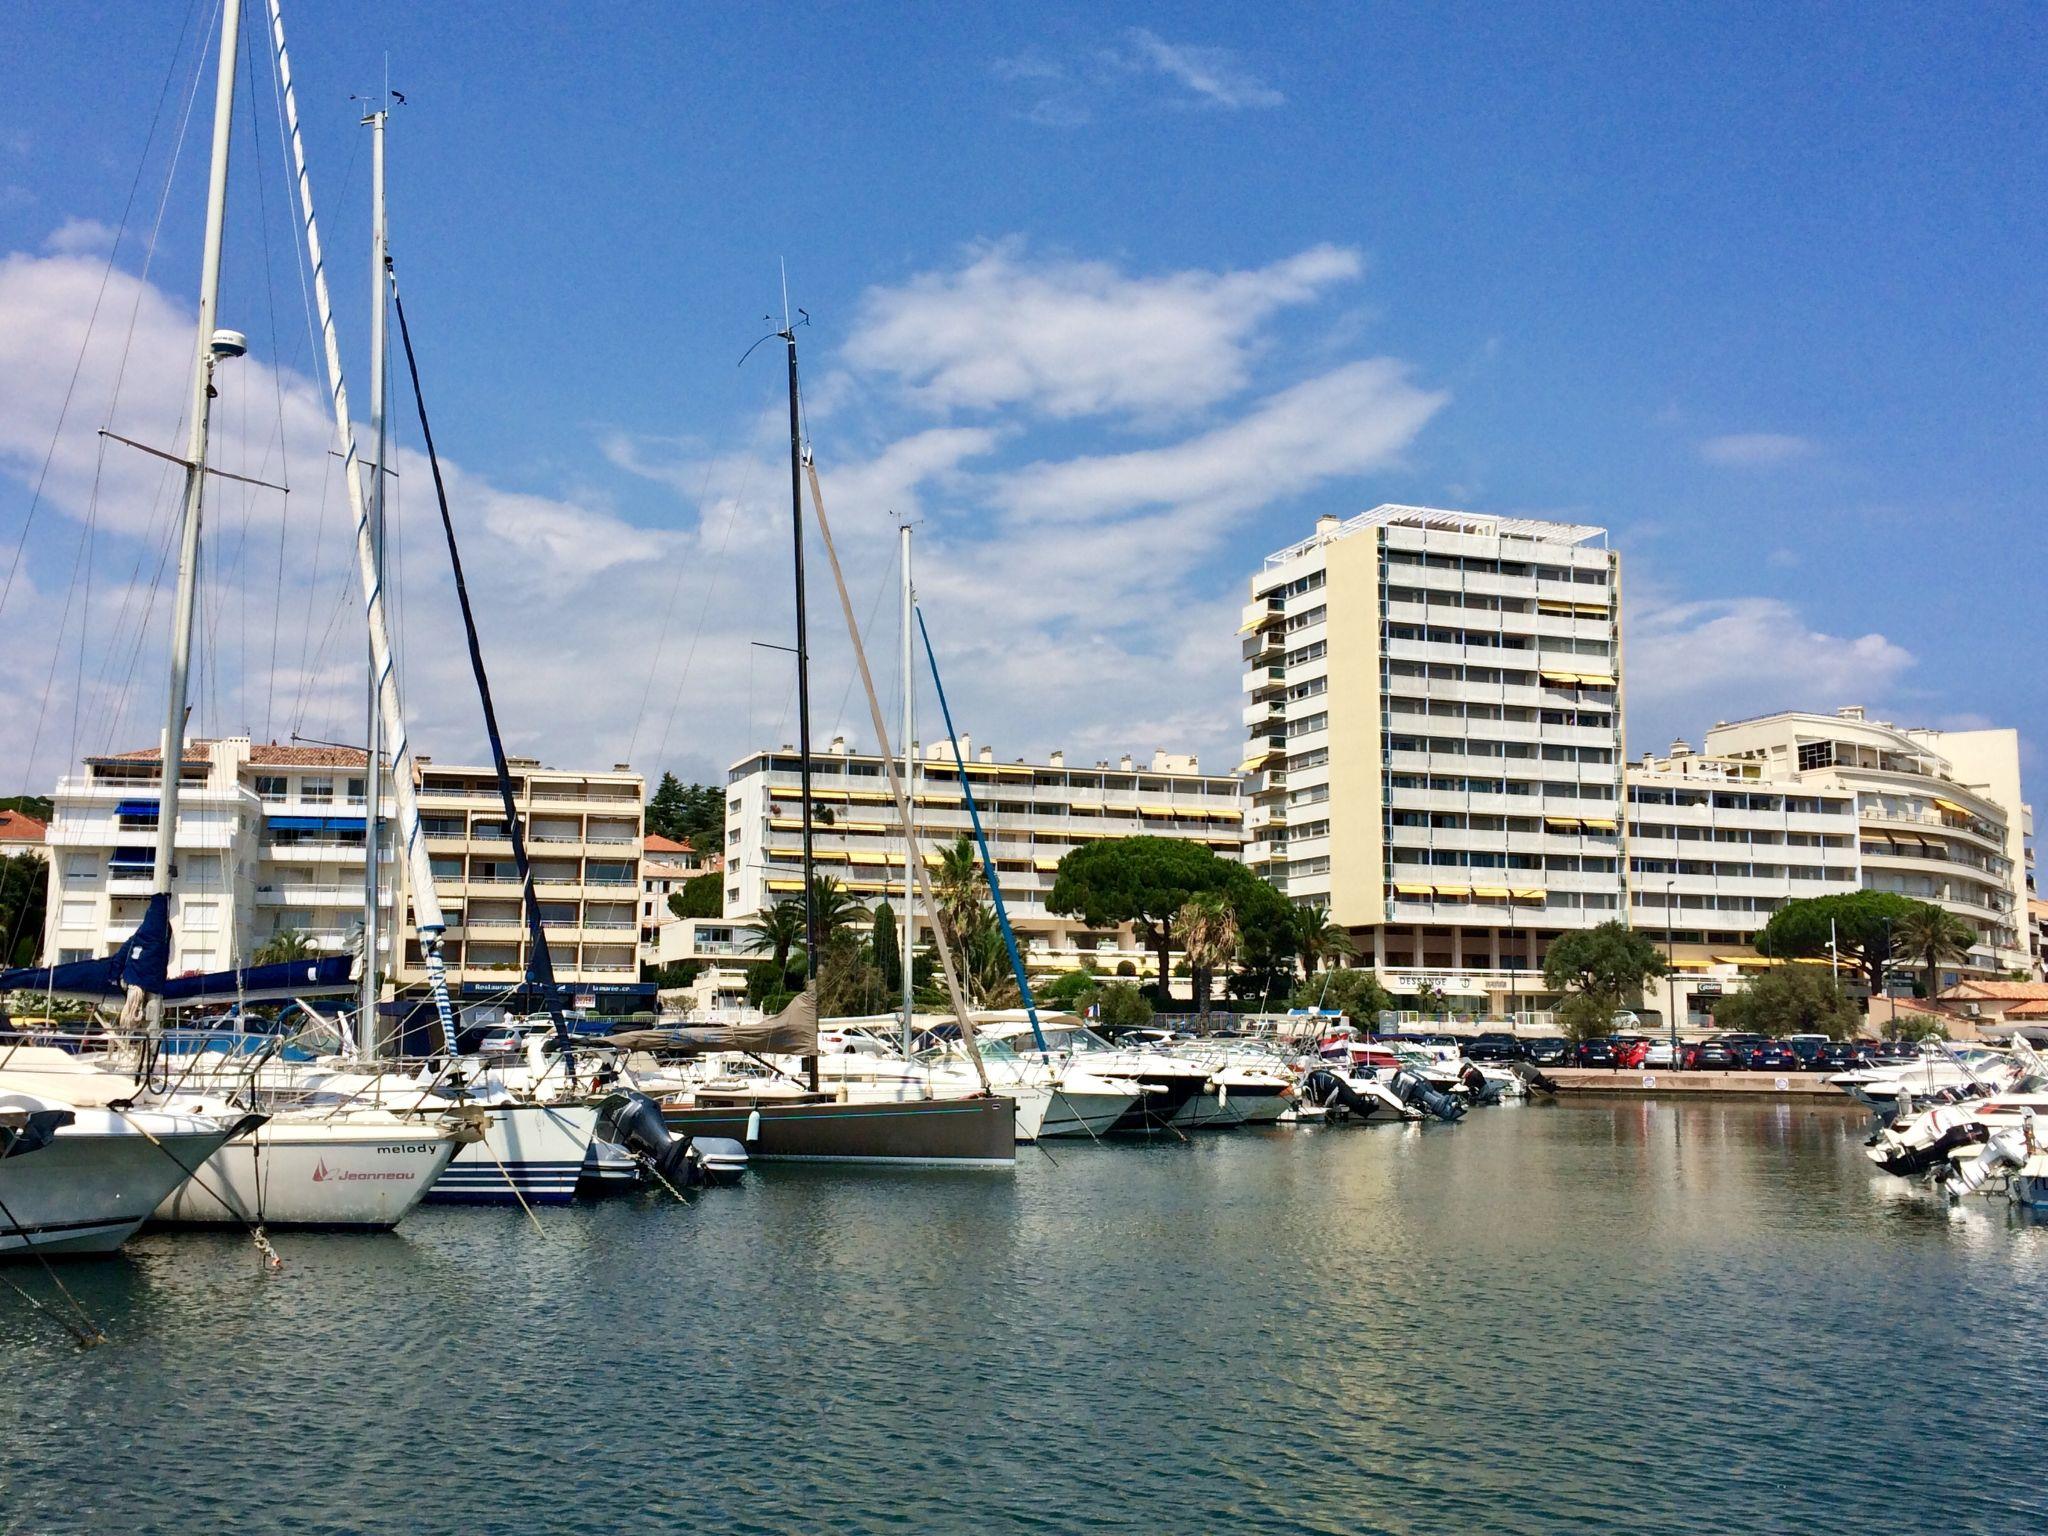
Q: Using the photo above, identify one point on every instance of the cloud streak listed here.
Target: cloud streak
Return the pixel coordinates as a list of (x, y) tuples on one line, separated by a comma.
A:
[(1755, 450)]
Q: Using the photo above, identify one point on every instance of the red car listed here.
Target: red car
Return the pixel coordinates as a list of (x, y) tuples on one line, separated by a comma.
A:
[(1630, 1051)]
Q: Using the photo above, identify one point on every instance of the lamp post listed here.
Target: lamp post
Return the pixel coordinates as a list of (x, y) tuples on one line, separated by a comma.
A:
[(1670, 970)]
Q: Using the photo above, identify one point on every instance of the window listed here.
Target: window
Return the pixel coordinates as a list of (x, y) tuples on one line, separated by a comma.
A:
[(358, 791), (270, 787), (1816, 754), (77, 912), (317, 791)]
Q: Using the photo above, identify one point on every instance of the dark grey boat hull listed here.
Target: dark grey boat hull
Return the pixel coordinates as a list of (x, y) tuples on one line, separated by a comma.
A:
[(967, 1133)]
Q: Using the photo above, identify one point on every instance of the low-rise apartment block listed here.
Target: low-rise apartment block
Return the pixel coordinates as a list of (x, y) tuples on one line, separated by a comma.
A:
[(1034, 814), (583, 840)]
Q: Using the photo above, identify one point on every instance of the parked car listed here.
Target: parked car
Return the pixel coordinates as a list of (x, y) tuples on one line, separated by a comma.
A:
[(1770, 1056), (1595, 1053), (1806, 1047), (1660, 1054), (1710, 1055), (1630, 1051), (1546, 1050), (1493, 1047), (1842, 1056)]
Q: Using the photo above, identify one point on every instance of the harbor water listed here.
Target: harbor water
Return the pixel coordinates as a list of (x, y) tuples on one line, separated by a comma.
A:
[(1608, 1315)]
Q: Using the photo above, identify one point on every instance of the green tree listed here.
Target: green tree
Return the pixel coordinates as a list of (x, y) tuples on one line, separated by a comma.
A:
[(1144, 881), (24, 901), (1932, 935), (1863, 924), (692, 814), (1317, 939), (1600, 970), (1123, 1006), (1208, 930), (776, 933), (701, 896), (849, 985), (1070, 991), (834, 906), (287, 944), (1357, 993), (887, 948), (1790, 1000), (960, 889), (677, 973), (665, 809)]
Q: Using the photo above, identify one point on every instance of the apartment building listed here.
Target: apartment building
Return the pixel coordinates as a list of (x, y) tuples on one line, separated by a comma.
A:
[(1435, 747), (1939, 813), (583, 840), (1034, 814), (1714, 848), (269, 841)]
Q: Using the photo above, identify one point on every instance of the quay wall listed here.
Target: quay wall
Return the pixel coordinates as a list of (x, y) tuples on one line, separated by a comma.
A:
[(1655, 1080)]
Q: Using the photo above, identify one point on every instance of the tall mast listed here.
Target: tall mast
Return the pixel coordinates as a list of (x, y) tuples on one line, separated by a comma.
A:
[(373, 780), (426, 902), (803, 668), (910, 853), (209, 352)]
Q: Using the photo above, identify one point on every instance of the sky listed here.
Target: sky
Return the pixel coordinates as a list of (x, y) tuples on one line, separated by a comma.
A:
[(1106, 304)]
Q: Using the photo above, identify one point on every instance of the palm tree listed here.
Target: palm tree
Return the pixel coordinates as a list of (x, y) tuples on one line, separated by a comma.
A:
[(961, 891), (1318, 940), (286, 944), (1209, 938), (834, 906), (1931, 935), (776, 932)]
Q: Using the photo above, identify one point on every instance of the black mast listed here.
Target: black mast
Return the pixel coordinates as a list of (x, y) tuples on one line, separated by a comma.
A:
[(540, 965), (803, 670)]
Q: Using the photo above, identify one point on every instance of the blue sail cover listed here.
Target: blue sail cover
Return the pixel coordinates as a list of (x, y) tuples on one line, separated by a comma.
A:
[(146, 957)]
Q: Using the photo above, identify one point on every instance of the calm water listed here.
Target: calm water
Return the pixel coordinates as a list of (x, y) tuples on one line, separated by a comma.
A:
[(1623, 1316)]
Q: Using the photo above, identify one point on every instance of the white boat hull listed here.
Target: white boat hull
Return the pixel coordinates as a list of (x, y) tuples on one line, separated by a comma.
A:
[(99, 1179), (1082, 1112), (530, 1152), (363, 1172)]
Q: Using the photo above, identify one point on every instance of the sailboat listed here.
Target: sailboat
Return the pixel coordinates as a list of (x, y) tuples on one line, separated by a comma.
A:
[(777, 1116)]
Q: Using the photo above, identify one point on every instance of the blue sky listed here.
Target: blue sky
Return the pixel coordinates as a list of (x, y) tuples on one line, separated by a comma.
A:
[(1112, 305)]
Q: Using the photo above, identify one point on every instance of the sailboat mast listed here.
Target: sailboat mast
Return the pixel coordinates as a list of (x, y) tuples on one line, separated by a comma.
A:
[(201, 414), (910, 853), (373, 780), (803, 673), (426, 902)]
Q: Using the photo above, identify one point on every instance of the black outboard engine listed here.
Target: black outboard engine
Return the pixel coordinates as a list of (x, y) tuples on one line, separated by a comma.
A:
[(1414, 1092), (633, 1120), (1536, 1079), (1478, 1087)]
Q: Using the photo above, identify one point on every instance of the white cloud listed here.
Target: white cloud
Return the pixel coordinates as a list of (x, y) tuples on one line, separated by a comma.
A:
[(1755, 450), (1081, 338), (1691, 663), (80, 236), (1212, 75)]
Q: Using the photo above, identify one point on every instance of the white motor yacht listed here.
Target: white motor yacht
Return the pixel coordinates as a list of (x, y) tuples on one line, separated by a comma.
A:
[(1882, 1084)]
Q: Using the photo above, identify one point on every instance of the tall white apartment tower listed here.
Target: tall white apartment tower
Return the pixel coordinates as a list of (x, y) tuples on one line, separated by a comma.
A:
[(1433, 708)]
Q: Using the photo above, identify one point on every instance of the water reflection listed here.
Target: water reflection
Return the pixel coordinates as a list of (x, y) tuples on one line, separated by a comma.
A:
[(1646, 1315)]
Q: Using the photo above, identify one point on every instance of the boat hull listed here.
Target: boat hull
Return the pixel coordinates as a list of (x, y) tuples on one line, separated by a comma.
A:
[(978, 1132), (529, 1152), (320, 1173), (96, 1182)]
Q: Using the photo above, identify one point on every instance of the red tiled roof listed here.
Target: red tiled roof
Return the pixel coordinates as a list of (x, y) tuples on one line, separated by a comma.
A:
[(1999, 991), (195, 752), (17, 828), (271, 755), (2037, 1009)]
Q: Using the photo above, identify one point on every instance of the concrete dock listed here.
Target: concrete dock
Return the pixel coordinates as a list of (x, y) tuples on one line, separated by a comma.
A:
[(1657, 1080)]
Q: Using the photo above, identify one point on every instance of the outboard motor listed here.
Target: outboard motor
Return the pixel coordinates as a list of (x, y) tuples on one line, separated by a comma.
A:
[(2005, 1151), (1480, 1088), (1413, 1091), (633, 1120), (1534, 1077)]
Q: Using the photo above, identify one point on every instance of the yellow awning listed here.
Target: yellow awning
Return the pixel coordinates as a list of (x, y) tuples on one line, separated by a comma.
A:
[(1157, 810), (1748, 962), (943, 796), (1490, 892), (1567, 678), (1555, 605), (1084, 805), (1602, 822), (1952, 808), (1258, 760), (874, 858), (1561, 822), (1414, 890), (1530, 896), (1014, 770), (870, 795), (1594, 680), (1692, 965), (785, 885), (786, 824), (1046, 863), (1454, 890), (984, 770)]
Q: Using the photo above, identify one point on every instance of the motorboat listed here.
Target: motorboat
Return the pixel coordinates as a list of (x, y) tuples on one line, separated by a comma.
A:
[(1888, 1088)]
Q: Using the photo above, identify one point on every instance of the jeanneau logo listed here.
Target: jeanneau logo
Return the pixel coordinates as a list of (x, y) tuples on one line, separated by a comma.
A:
[(322, 1174)]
